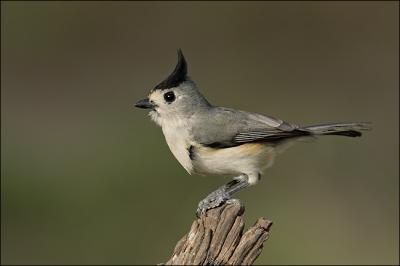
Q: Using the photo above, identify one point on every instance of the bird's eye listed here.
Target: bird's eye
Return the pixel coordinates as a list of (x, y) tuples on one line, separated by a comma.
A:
[(169, 97)]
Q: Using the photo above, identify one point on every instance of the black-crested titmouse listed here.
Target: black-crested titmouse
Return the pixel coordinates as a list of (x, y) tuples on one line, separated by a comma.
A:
[(208, 139)]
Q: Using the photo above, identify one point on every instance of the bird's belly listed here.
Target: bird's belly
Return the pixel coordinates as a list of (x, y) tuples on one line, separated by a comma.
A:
[(251, 157)]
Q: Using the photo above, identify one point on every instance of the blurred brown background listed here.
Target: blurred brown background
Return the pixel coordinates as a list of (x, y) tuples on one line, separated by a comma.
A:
[(86, 178)]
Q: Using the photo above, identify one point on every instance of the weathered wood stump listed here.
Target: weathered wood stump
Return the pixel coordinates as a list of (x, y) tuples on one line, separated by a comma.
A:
[(216, 238)]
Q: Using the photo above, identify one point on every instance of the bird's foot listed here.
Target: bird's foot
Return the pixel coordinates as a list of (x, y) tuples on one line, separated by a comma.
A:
[(213, 200)]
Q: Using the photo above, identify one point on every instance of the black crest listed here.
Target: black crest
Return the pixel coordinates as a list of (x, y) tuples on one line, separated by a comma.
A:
[(178, 76)]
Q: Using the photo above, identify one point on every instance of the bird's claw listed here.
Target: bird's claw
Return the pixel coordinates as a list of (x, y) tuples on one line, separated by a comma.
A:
[(213, 200)]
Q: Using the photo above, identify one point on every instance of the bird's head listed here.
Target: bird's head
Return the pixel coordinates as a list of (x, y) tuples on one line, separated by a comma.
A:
[(176, 97)]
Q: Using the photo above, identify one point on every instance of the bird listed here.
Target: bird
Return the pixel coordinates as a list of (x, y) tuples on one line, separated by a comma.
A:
[(211, 140)]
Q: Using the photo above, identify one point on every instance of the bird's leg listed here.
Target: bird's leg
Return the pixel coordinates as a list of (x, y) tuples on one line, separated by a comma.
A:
[(222, 194)]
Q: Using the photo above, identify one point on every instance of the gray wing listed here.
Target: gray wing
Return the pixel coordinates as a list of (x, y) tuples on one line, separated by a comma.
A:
[(224, 127)]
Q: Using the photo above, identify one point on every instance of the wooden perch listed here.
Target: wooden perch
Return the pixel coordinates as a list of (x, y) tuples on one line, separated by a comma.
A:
[(216, 238)]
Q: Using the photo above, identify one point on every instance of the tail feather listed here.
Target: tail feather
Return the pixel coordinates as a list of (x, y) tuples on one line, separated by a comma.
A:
[(340, 129)]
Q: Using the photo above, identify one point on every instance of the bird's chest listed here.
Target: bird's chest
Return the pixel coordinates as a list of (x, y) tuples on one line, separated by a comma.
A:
[(178, 141)]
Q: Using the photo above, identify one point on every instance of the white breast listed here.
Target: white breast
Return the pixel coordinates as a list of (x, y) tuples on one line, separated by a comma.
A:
[(177, 137)]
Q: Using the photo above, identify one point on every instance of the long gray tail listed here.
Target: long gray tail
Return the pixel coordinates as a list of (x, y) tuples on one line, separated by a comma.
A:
[(340, 129)]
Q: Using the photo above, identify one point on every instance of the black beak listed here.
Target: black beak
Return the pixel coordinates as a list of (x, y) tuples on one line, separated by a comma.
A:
[(145, 104)]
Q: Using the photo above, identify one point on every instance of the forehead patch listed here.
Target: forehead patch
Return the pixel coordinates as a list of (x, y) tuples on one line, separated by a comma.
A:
[(178, 76), (155, 94)]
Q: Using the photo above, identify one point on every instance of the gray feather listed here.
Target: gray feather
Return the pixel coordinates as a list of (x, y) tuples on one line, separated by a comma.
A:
[(344, 129), (225, 127), (221, 127)]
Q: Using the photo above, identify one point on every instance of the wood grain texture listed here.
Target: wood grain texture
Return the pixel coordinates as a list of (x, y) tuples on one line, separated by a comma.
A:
[(217, 238)]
